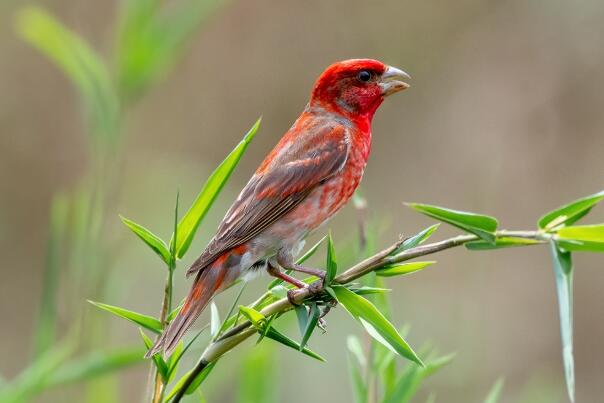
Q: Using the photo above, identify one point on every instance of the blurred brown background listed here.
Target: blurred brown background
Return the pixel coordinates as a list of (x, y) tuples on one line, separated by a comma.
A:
[(504, 117)]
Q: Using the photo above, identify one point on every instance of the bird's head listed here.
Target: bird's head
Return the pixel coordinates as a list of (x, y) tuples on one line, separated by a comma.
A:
[(357, 87)]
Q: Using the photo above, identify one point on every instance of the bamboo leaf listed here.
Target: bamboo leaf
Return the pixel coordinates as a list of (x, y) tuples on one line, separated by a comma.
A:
[(148, 322), (44, 336), (331, 264), (190, 222), (402, 269), (582, 238), (563, 270), (477, 224), (95, 364), (417, 239), (375, 323), (495, 392), (569, 213), (311, 324), (78, 61), (153, 241)]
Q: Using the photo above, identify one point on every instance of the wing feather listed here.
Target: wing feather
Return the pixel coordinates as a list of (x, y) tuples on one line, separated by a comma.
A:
[(270, 194)]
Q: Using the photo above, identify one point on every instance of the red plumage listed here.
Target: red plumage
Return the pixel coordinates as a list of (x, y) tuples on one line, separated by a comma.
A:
[(309, 175)]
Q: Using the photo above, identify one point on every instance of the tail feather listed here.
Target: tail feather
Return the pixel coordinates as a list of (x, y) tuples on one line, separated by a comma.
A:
[(206, 284)]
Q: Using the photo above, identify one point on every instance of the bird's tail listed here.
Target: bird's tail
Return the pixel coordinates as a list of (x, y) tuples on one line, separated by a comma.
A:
[(207, 283)]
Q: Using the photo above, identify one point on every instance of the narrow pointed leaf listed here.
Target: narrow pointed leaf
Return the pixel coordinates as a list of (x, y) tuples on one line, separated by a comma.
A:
[(311, 324), (148, 322), (153, 241), (588, 238), (365, 290), (331, 264), (402, 269), (375, 323), (227, 319), (504, 242), (190, 222), (417, 239), (179, 353), (570, 213), (478, 224), (302, 316), (95, 364), (495, 392), (563, 270), (78, 61)]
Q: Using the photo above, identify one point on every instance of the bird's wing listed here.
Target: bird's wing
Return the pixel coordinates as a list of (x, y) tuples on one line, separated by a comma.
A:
[(311, 157)]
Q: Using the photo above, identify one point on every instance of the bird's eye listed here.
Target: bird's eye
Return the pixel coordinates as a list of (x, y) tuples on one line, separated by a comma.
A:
[(364, 76)]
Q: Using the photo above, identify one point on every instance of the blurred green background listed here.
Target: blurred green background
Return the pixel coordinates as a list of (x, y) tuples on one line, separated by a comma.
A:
[(504, 117)]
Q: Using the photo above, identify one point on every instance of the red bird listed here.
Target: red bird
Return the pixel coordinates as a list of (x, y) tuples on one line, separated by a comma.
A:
[(310, 174)]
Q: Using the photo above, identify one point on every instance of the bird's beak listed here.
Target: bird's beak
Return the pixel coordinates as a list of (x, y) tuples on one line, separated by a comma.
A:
[(391, 81)]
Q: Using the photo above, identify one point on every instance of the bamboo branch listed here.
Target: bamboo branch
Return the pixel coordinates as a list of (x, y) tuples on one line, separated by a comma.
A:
[(241, 332)]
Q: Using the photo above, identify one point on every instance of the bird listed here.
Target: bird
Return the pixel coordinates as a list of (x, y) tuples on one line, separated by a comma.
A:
[(308, 176)]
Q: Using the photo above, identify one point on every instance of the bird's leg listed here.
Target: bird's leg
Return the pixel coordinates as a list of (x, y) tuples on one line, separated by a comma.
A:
[(285, 260), (274, 271)]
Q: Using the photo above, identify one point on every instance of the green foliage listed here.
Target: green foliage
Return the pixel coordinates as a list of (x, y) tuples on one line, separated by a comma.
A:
[(190, 222), (78, 61), (148, 322), (375, 323), (265, 328), (151, 39), (495, 392), (417, 239), (331, 266), (45, 332), (481, 225), (153, 241), (569, 213), (402, 269), (563, 271), (589, 238)]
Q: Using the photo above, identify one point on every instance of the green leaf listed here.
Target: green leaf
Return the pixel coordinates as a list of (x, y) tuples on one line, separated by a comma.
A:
[(358, 383), (408, 383), (582, 238), (148, 322), (95, 364), (402, 269), (194, 385), (152, 37), (331, 264), (563, 270), (495, 392), (153, 241), (78, 61), (504, 242), (311, 324), (301, 260), (375, 323), (260, 323), (45, 333), (417, 239), (569, 213), (190, 222), (158, 360), (228, 320), (365, 290), (477, 224), (302, 316)]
